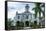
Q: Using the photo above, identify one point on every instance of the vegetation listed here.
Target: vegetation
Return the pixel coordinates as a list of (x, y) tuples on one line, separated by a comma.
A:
[(43, 11), (34, 25), (9, 23), (38, 9)]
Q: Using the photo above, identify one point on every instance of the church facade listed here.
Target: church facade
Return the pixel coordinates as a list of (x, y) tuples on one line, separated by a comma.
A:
[(26, 16)]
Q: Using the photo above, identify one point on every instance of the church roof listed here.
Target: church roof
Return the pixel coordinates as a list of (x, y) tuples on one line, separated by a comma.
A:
[(26, 12)]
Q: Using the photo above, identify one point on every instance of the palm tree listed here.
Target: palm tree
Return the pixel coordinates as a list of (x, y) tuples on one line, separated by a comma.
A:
[(43, 5), (37, 9)]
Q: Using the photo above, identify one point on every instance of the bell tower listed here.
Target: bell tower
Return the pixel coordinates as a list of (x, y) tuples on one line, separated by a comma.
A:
[(27, 8)]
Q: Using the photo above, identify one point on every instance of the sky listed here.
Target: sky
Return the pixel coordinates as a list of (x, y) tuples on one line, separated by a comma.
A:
[(18, 6)]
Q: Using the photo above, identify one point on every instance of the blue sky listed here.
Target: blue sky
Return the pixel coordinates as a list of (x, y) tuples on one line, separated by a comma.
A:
[(17, 6)]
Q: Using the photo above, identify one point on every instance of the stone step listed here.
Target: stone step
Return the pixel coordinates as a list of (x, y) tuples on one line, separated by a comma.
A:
[(27, 27)]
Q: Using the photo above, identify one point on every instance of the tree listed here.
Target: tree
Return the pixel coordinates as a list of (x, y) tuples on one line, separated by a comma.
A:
[(37, 9), (9, 22), (43, 5)]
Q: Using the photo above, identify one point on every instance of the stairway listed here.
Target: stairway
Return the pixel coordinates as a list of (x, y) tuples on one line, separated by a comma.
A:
[(27, 27)]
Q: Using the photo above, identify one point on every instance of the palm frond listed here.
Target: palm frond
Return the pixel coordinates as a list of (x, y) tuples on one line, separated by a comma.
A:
[(33, 8)]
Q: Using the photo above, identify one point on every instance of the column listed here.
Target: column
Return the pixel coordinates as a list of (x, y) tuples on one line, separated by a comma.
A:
[(32, 18), (29, 23), (24, 24)]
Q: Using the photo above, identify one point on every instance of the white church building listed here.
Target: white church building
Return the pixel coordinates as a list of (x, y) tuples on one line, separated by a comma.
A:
[(26, 16)]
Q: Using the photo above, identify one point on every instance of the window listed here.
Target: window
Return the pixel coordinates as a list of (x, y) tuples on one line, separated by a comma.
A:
[(26, 17), (18, 17)]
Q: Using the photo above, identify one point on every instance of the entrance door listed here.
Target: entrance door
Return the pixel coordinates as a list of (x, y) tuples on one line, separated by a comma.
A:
[(27, 23)]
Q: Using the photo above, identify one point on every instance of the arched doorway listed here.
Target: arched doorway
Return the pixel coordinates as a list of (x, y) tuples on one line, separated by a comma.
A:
[(27, 23), (35, 22)]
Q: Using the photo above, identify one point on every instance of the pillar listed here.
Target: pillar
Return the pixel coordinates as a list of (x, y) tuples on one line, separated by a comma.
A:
[(29, 22), (24, 24)]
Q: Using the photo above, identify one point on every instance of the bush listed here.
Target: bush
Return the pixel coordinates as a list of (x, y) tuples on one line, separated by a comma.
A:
[(34, 25)]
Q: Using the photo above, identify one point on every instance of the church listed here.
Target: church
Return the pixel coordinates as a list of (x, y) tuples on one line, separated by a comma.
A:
[(26, 16)]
